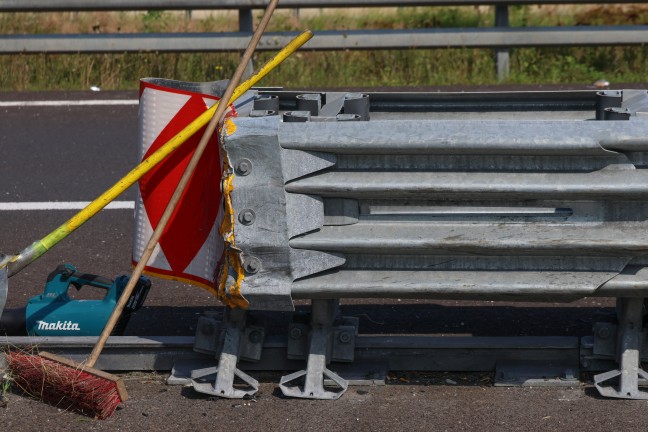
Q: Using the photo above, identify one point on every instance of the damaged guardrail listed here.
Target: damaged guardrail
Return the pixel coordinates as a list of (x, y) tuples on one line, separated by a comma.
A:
[(331, 204), (525, 210)]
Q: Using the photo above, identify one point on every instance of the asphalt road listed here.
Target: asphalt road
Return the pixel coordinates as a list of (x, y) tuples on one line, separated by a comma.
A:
[(73, 153)]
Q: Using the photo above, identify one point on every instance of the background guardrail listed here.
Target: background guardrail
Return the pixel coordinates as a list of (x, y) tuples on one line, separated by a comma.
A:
[(501, 37)]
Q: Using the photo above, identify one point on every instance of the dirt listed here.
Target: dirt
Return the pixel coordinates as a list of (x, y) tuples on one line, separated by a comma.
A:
[(414, 405)]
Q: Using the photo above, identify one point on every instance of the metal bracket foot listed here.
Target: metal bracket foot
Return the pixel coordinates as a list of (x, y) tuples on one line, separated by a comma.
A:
[(323, 315), (626, 389), (223, 387), (226, 371), (629, 349), (314, 385)]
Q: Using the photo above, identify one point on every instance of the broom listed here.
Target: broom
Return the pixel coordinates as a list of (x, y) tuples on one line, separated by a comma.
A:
[(80, 387)]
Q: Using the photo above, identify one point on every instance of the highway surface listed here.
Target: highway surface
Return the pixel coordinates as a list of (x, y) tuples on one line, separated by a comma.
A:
[(59, 150), (57, 154)]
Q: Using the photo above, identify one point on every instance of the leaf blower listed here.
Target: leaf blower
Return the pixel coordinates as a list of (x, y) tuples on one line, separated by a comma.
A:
[(55, 313)]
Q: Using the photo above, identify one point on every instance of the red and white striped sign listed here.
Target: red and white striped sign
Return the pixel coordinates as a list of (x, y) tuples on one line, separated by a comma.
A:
[(190, 249)]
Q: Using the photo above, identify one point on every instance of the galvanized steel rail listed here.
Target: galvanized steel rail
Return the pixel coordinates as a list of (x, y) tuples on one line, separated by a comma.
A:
[(338, 204), (325, 40), (471, 208), (117, 5), (403, 353), (501, 37)]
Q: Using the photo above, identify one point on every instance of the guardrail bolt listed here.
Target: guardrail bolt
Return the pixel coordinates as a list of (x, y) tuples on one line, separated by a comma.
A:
[(295, 333), (568, 375), (247, 217), (344, 337), (243, 167), (254, 336), (207, 328), (603, 332), (252, 265)]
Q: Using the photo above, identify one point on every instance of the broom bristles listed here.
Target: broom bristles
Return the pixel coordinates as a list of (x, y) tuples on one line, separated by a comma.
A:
[(63, 386)]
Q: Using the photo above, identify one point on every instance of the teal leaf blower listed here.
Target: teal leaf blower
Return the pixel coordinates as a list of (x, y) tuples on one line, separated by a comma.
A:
[(55, 313)]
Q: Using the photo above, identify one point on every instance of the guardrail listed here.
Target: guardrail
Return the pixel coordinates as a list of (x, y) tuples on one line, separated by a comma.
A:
[(335, 200), (501, 37), (113, 5)]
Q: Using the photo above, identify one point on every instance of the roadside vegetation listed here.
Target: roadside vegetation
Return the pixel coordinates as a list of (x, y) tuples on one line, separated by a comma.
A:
[(416, 67)]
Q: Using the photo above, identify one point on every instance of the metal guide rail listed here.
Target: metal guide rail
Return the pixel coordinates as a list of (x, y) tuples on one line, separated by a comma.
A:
[(335, 200), (335, 203), (515, 197), (501, 37)]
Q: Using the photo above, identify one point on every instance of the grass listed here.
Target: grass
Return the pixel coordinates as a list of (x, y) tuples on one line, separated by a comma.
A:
[(5, 388), (420, 67)]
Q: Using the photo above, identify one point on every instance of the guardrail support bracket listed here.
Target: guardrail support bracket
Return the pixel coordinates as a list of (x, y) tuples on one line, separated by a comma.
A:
[(225, 373), (323, 315), (629, 340)]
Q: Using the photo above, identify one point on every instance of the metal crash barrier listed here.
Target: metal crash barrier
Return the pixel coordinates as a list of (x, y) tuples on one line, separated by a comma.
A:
[(334, 201)]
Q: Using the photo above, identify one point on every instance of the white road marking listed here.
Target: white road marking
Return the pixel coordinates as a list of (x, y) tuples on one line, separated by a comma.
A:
[(61, 205), (59, 103)]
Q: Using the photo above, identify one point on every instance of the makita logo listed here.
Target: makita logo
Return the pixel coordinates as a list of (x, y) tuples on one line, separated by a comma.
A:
[(58, 325)]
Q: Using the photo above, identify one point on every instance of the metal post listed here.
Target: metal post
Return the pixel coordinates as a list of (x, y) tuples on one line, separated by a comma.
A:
[(226, 371), (629, 340), (246, 25), (502, 54), (323, 315)]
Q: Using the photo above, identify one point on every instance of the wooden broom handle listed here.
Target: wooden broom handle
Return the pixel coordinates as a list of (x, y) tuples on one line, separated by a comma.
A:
[(173, 202)]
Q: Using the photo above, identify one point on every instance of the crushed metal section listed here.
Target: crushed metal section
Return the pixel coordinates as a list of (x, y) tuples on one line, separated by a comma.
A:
[(257, 186), (231, 272), (265, 216)]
